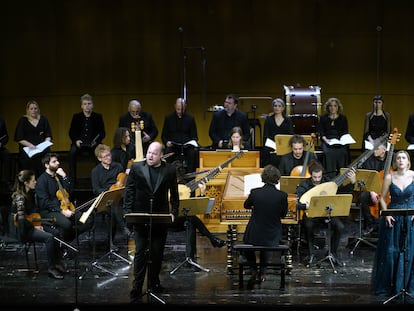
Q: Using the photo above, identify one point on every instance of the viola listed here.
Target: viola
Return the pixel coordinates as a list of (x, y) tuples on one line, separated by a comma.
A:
[(120, 181), (34, 218), (63, 197)]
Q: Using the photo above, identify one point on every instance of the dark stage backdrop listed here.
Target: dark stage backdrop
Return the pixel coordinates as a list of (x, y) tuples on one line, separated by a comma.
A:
[(54, 51)]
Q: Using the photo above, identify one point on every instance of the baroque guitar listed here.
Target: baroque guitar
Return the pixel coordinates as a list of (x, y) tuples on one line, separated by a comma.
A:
[(186, 190)]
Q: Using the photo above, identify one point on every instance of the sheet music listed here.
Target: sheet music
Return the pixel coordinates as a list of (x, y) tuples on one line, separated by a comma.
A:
[(252, 181), (270, 143), (369, 146), (39, 148)]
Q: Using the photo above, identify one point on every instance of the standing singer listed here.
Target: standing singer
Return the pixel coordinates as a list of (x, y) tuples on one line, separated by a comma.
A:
[(395, 247), (151, 188)]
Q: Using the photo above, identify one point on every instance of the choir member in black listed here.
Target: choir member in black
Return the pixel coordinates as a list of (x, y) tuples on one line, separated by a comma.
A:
[(151, 187), (178, 130), (54, 202), (29, 223), (108, 175), (276, 123), (409, 134), (31, 130), (377, 122), (224, 120), (367, 199), (135, 119), (292, 163), (337, 226), (269, 205), (123, 151), (4, 155), (333, 124), (87, 130)]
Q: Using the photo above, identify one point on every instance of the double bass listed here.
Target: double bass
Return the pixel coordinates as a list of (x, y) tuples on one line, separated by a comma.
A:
[(393, 139)]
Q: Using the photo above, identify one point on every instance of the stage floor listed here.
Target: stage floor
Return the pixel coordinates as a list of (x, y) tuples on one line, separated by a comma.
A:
[(317, 286)]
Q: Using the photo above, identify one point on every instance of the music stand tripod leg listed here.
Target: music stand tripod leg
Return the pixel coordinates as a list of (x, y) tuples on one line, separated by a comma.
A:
[(360, 238), (149, 292), (332, 260), (188, 259)]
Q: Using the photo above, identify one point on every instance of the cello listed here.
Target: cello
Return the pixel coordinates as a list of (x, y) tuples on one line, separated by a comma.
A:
[(303, 170)]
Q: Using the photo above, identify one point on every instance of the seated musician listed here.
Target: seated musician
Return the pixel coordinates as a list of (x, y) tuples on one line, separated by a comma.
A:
[(269, 205), (104, 177), (293, 162), (53, 190), (123, 150), (195, 223), (367, 199), (28, 221), (316, 178), (236, 142), (224, 120)]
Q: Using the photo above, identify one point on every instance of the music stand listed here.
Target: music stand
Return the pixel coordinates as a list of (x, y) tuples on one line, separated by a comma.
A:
[(103, 203), (329, 206), (369, 181), (193, 206), (401, 212), (289, 184)]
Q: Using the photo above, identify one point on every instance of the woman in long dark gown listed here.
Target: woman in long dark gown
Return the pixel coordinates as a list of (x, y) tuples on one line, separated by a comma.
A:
[(396, 233)]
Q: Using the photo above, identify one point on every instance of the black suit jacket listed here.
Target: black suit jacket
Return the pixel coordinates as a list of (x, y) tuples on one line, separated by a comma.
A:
[(139, 191), (268, 206)]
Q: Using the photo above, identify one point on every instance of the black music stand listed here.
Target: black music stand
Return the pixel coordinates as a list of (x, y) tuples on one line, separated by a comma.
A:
[(367, 180), (149, 218), (329, 206), (401, 212), (103, 203), (193, 206)]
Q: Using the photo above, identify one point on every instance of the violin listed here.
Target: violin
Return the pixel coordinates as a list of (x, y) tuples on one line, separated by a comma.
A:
[(63, 197), (34, 218)]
